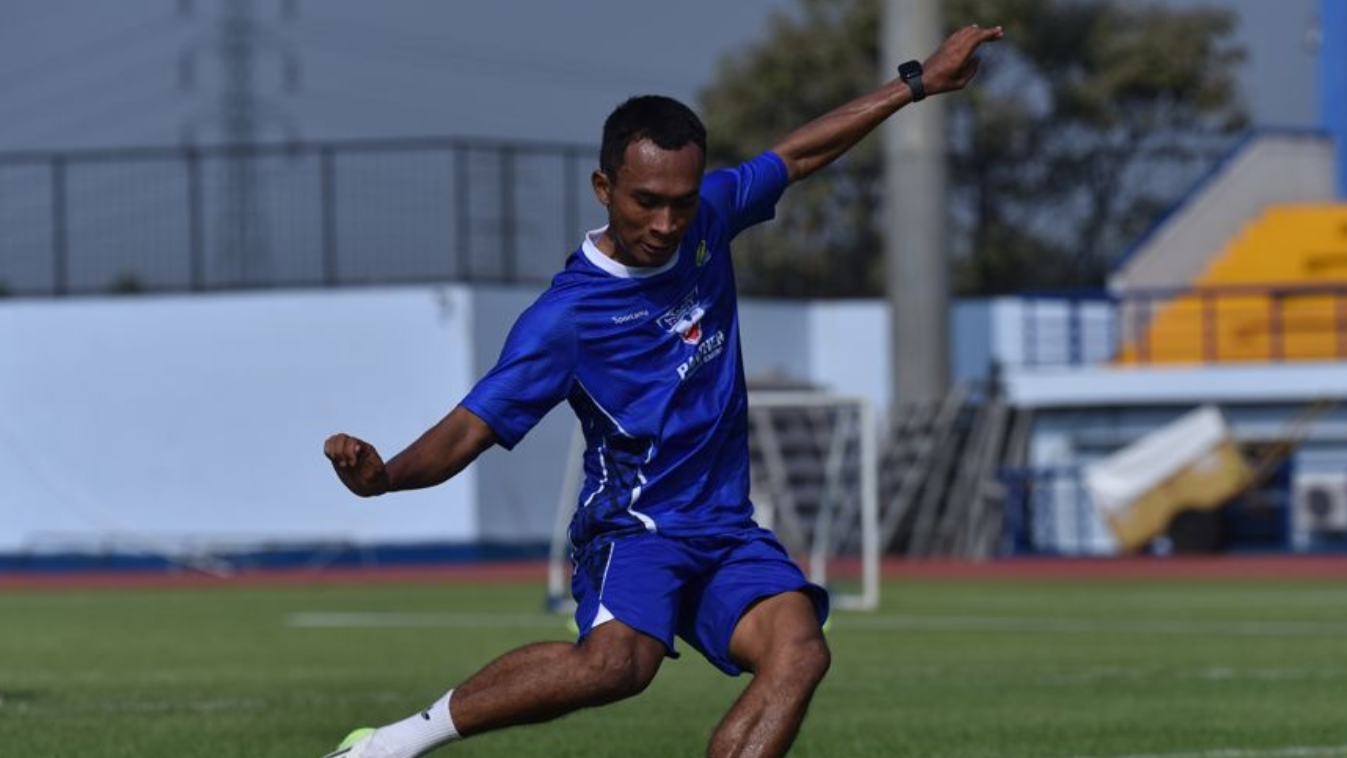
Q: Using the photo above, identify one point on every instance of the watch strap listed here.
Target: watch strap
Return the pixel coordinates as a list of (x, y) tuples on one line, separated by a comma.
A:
[(910, 73)]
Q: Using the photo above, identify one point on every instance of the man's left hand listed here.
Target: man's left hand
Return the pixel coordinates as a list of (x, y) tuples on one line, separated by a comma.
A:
[(954, 64)]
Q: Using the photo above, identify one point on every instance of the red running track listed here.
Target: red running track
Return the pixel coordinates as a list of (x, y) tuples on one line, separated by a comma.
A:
[(1239, 568)]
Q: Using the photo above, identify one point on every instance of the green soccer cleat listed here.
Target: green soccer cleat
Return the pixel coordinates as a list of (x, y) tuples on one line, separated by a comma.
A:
[(354, 744)]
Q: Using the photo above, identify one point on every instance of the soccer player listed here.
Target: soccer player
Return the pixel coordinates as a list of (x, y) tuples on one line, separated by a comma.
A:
[(639, 333)]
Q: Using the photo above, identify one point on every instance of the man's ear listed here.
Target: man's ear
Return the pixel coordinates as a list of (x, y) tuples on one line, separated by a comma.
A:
[(603, 187)]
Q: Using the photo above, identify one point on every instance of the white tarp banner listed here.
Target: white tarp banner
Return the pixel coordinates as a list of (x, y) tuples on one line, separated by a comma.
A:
[(1189, 463)]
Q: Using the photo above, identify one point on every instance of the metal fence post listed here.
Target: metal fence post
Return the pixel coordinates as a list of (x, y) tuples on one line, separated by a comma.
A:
[(1114, 328), (1030, 315), (1143, 331), (1340, 321), (196, 234), (328, 177), (1210, 336), (509, 270), (1011, 509), (1276, 350), (1074, 356), (60, 253), (462, 224), (570, 203)]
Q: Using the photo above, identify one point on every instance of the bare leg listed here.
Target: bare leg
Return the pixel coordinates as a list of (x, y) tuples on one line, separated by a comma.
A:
[(780, 642), (546, 680)]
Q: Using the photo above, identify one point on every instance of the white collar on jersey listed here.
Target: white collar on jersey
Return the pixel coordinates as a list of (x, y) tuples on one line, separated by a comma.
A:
[(597, 257)]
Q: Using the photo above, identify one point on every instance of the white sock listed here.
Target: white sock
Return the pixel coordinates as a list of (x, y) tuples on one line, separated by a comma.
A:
[(415, 735)]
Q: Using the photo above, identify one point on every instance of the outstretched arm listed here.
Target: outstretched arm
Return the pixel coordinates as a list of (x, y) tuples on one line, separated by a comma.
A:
[(825, 139), (444, 450)]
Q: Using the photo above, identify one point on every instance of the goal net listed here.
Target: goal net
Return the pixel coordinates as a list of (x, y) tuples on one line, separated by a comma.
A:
[(814, 482)]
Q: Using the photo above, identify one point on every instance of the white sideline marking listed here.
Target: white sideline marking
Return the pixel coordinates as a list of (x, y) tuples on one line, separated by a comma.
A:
[(1094, 626), (234, 705), (1077, 675), (225, 705), (864, 622), (1296, 751), (442, 620)]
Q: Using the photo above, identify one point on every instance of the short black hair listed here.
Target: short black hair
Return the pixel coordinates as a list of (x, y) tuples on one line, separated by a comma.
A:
[(662, 120)]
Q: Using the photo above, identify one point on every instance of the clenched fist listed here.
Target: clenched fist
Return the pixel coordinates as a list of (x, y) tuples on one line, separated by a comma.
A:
[(357, 464)]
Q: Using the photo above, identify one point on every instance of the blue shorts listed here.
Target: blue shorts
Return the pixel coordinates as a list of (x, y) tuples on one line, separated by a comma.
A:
[(695, 587)]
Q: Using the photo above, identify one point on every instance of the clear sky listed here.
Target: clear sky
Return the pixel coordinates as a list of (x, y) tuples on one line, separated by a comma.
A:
[(1280, 76), (78, 72), (97, 72)]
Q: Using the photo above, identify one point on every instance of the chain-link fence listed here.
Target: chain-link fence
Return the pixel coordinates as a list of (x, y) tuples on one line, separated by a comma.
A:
[(294, 215)]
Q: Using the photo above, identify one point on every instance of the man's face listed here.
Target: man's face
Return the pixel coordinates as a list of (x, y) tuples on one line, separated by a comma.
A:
[(651, 202)]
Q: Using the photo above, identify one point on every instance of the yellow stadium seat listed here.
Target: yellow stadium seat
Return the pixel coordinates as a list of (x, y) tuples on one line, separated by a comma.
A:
[(1271, 295)]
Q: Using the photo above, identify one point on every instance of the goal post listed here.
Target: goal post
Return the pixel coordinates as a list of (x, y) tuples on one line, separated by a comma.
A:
[(815, 458), (814, 463), (559, 555)]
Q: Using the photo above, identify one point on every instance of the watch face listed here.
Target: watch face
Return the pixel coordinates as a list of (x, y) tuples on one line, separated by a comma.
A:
[(909, 69)]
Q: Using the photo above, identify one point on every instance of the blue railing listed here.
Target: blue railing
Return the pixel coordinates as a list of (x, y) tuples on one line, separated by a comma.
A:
[(1268, 323), (1048, 512), (1068, 327)]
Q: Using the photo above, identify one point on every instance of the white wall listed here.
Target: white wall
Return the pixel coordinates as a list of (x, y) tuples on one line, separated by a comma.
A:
[(849, 355), (775, 335), (843, 346), (202, 418), (518, 489)]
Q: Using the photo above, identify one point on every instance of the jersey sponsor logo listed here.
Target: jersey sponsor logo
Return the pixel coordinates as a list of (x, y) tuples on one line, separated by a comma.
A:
[(685, 319), (629, 317), (703, 254), (706, 352)]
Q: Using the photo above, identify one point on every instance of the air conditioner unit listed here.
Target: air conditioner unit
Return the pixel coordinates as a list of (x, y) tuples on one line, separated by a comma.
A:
[(1319, 506)]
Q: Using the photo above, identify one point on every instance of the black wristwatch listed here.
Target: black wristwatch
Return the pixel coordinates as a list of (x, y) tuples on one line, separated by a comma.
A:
[(910, 73)]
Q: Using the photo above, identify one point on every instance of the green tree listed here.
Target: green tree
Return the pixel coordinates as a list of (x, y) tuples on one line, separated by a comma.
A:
[(1085, 123)]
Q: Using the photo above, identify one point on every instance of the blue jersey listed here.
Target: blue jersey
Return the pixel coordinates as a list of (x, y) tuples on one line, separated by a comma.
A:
[(649, 359)]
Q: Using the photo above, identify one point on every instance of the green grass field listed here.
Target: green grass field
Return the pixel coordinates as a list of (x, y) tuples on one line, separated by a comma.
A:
[(1013, 670)]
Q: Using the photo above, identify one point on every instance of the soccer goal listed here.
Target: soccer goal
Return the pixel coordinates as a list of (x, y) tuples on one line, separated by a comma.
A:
[(814, 482)]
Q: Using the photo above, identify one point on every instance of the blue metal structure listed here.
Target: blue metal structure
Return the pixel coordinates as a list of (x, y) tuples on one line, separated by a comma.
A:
[(1333, 81)]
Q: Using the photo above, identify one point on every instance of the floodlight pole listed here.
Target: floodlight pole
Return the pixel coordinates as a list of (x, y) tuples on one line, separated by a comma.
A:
[(917, 270)]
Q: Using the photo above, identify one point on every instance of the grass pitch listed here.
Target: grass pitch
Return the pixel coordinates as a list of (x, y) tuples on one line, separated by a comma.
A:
[(962, 669)]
